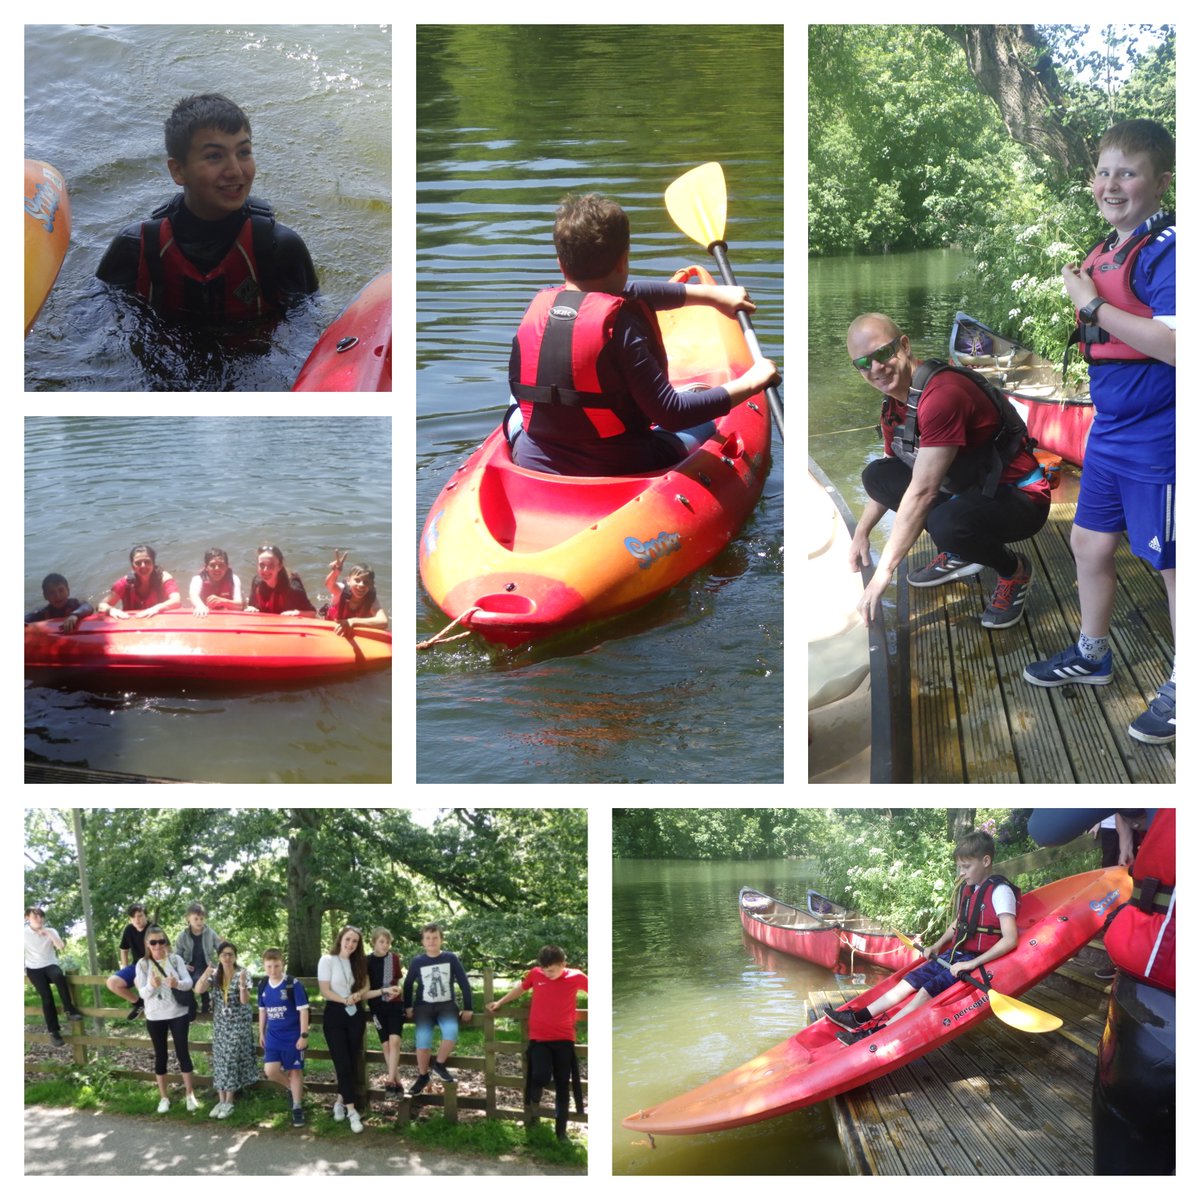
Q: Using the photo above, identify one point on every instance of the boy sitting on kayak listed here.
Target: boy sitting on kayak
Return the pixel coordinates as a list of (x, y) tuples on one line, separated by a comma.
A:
[(213, 251), (588, 370), (60, 603), (985, 927)]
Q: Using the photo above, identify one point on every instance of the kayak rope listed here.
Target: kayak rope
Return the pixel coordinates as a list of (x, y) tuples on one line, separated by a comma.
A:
[(439, 638)]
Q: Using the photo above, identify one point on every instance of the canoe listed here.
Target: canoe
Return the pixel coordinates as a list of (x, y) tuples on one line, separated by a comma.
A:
[(1054, 922), (355, 353), (784, 927), (519, 554), (179, 647), (47, 232), (863, 940), (1058, 419)]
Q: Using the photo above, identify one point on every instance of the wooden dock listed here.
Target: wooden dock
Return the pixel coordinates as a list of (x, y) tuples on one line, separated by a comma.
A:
[(991, 1102), (975, 720)]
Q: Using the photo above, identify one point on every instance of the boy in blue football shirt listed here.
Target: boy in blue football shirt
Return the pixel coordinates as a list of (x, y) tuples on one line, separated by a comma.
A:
[(283, 1029)]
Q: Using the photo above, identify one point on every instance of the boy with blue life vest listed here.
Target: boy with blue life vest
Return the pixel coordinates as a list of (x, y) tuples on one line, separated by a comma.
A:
[(283, 1016), (60, 603), (1124, 295), (213, 251), (588, 370), (984, 928)]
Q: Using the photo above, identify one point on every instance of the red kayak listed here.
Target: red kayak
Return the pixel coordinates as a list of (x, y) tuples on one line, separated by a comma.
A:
[(355, 353), (179, 647), (1054, 923), (863, 939), (785, 927)]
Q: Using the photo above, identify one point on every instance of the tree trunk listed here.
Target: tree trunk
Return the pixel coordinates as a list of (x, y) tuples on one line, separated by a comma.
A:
[(1012, 66), (303, 900), (959, 822)]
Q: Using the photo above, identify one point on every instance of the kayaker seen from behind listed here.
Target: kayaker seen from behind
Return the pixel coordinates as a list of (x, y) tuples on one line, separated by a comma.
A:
[(985, 928), (213, 251), (946, 437), (147, 591), (1124, 295), (216, 586), (588, 370), (56, 591), (275, 589), (353, 604)]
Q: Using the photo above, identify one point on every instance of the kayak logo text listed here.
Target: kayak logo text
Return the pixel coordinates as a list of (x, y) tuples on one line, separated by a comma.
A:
[(43, 204), (1100, 905), (647, 553), (970, 1008)]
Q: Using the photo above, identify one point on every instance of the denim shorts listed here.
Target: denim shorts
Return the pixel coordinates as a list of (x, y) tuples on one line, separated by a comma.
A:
[(425, 1015)]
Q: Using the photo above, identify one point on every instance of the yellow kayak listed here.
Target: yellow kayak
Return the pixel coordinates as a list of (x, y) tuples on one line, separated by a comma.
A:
[(47, 232)]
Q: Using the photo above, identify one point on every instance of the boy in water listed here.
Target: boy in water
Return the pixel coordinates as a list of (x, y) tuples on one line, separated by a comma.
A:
[(213, 251), (550, 1054), (588, 371), (1124, 295), (985, 927), (60, 603), (283, 1016)]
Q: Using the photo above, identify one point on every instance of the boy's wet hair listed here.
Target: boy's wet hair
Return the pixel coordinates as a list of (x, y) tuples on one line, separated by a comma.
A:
[(54, 579), (190, 115), (590, 234), (976, 844), (549, 955), (1142, 137)]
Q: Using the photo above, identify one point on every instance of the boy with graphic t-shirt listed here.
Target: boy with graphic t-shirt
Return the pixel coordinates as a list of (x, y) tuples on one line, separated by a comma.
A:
[(551, 1050), (283, 1029), (429, 997), (41, 966)]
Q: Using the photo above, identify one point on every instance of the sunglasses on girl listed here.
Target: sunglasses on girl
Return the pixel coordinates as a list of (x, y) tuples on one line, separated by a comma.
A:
[(880, 356)]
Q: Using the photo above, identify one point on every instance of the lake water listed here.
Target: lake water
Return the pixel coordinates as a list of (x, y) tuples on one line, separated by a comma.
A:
[(509, 119), (94, 486), (694, 997), (318, 98)]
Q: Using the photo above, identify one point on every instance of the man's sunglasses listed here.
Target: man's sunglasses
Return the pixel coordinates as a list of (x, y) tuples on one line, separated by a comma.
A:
[(880, 356)]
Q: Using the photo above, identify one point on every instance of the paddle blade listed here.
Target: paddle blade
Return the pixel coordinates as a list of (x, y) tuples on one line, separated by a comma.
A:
[(1023, 1016), (696, 202)]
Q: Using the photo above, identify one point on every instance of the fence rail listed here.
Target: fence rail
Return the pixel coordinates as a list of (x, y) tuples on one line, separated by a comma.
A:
[(83, 1044)]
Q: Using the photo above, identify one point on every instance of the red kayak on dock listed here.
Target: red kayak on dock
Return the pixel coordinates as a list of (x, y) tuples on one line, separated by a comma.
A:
[(355, 353), (1054, 922), (179, 647)]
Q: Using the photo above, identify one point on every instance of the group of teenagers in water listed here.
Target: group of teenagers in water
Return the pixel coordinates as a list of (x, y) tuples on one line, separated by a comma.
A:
[(148, 590)]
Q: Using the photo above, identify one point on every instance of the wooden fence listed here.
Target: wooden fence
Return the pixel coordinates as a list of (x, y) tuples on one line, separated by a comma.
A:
[(83, 1045)]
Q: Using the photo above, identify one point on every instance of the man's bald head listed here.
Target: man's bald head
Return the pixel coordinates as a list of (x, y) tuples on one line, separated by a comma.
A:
[(880, 328)]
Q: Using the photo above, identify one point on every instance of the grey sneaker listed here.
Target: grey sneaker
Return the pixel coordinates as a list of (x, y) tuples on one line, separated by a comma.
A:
[(442, 1072), (944, 569), (1008, 600)]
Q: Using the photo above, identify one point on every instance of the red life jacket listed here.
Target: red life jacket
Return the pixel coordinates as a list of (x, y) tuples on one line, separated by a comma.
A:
[(1111, 270), (1141, 938), (209, 588), (134, 601), (283, 597), (978, 928), (233, 290), (563, 372)]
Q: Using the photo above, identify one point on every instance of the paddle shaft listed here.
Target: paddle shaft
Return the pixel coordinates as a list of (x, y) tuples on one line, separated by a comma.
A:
[(717, 250)]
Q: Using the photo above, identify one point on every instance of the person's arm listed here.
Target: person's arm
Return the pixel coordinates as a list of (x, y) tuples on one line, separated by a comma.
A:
[(1148, 334), (105, 606), (262, 1027), (860, 544), (295, 276), (1125, 850), (199, 608), (507, 998), (302, 605), (1007, 942), (119, 266), (182, 981), (464, 986), (377, 620), (324, 982), (205, 980)]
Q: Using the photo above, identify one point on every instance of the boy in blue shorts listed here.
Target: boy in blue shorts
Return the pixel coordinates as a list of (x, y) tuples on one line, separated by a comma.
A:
[(429, 997), (984, 928), (283, 1029), (1124, 294)]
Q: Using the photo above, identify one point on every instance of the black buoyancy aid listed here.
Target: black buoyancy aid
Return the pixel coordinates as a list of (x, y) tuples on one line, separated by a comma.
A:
[(238, 288), (562, 371), (1141, 938), (281, 598), (980, 468), (1111, 270), (978, 926)]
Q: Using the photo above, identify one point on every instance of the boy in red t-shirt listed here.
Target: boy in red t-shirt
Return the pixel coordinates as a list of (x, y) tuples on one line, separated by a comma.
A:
[(551, 1050)]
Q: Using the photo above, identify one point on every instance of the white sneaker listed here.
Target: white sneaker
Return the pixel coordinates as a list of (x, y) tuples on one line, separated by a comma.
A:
[(164, 1104), (192, 1103), (218, 1109), (226, 1109), (355, 1121), (339, 1111)]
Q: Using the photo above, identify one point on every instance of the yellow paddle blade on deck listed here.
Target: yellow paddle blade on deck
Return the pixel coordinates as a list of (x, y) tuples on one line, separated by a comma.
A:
[(696, 202)]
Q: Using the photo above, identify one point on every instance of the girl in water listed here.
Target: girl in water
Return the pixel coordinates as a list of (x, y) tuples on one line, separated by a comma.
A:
[(145, 592), (354, 604), (216, 586)]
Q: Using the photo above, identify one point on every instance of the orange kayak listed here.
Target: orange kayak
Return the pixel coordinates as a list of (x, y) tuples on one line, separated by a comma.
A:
[(525, 554), (355, 353), (47, 232)]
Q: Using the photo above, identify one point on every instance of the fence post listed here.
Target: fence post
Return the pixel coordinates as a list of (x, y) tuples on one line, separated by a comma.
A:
[(489, 1043), (360, 1067)]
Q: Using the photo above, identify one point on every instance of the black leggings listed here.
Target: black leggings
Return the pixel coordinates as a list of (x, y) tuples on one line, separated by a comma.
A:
[(546, 1061), (344, 1037), (42, 978), (178, 1027), (969, 525)]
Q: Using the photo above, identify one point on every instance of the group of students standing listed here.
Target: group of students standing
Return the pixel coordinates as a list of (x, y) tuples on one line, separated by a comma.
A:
[(167, 982)]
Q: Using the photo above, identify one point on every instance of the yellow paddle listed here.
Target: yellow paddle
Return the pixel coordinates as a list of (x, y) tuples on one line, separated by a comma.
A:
[(1011, 1011), (696, 202)]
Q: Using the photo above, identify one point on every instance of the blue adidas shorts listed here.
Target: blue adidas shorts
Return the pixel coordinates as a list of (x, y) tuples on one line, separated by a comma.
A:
[(284, 1053), (1110, 503)]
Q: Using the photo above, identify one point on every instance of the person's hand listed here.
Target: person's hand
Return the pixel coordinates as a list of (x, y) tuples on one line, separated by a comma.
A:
[(731, 300), (1079, 285), (200, 609), (871, 601), (172, 982), (291, 612), (408, 1012), (339, 557), (250, 608), (493, 1006), (959, 968), (762, 374), (929, 952), (466, 1015), (68, 625), (119, 614), (860, 551), (342, 628)]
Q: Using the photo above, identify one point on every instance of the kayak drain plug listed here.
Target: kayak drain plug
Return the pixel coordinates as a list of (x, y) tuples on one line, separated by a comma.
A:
[(347, 343)]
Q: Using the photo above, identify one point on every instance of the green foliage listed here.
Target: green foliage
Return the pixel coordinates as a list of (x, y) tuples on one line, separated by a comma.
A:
[(712, 833)]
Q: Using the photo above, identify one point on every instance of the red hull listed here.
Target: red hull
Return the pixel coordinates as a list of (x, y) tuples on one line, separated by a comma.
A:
[(355, 353), (803, 936)]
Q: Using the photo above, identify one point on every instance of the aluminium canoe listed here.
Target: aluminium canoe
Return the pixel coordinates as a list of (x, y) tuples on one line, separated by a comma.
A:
[(47, 232), (863, 940), (518, 554), (178, 647), (784, 927), (1054, 922), (1058, 419), (354, 354)]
